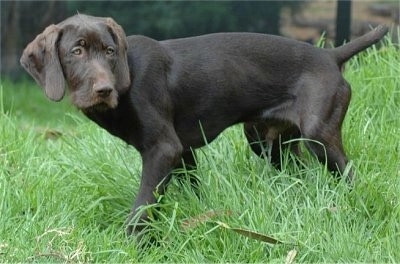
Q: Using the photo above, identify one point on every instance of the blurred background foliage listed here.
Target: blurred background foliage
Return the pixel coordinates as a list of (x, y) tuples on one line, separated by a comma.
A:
[(23, 20)]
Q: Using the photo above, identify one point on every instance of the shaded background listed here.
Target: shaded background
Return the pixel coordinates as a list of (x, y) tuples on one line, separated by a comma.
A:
[(305, 20)]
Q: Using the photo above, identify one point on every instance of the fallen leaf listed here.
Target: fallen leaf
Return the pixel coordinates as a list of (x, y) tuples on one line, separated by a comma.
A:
[(251, 234), (3, 246), (333, 209), (290, 256), (202, 218), (52, 134)]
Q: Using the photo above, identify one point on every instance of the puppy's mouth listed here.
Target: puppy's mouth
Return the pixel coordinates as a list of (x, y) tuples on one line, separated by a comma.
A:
[(104, 104), (100, 107), (97, 104)]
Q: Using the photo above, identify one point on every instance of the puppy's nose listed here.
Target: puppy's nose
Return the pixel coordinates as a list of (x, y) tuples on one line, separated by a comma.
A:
[(102, 89)]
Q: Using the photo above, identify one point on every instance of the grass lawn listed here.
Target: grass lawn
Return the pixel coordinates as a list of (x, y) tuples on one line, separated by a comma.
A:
[(66, 187)]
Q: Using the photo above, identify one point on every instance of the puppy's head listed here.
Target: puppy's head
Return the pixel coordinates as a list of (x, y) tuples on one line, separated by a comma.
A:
[(90, 53)]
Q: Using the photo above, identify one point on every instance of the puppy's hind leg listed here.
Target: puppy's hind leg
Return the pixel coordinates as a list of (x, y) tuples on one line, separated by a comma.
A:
[(255, 134), (269, 141), (329, 149), (324, 132)]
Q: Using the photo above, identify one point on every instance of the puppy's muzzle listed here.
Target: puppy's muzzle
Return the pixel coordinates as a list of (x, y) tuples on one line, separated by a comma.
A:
[(102, 89)]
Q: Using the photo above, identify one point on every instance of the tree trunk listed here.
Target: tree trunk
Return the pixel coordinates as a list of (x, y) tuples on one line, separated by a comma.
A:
[(343, 21)]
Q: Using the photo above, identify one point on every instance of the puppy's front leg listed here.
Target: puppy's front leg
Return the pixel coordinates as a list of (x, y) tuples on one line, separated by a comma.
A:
[(158, 161)]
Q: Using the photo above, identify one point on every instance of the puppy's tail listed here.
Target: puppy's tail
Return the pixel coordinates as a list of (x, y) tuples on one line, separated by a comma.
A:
[(345, 52)]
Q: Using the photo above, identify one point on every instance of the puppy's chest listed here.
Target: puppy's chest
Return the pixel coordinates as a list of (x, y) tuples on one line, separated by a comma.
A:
[(119, 125)]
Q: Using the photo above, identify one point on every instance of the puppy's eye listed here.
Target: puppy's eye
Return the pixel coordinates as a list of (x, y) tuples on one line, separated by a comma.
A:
[(110, 50), (77, 51)]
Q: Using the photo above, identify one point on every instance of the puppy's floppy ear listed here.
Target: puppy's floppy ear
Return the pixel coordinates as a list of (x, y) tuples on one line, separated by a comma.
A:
[(40, 59), (122, 68)]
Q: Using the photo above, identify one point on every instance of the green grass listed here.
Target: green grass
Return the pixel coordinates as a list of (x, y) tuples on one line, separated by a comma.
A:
[(66, 187)]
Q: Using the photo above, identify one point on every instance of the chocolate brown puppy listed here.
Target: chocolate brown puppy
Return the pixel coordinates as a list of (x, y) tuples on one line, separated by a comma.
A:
[(163, 97)]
